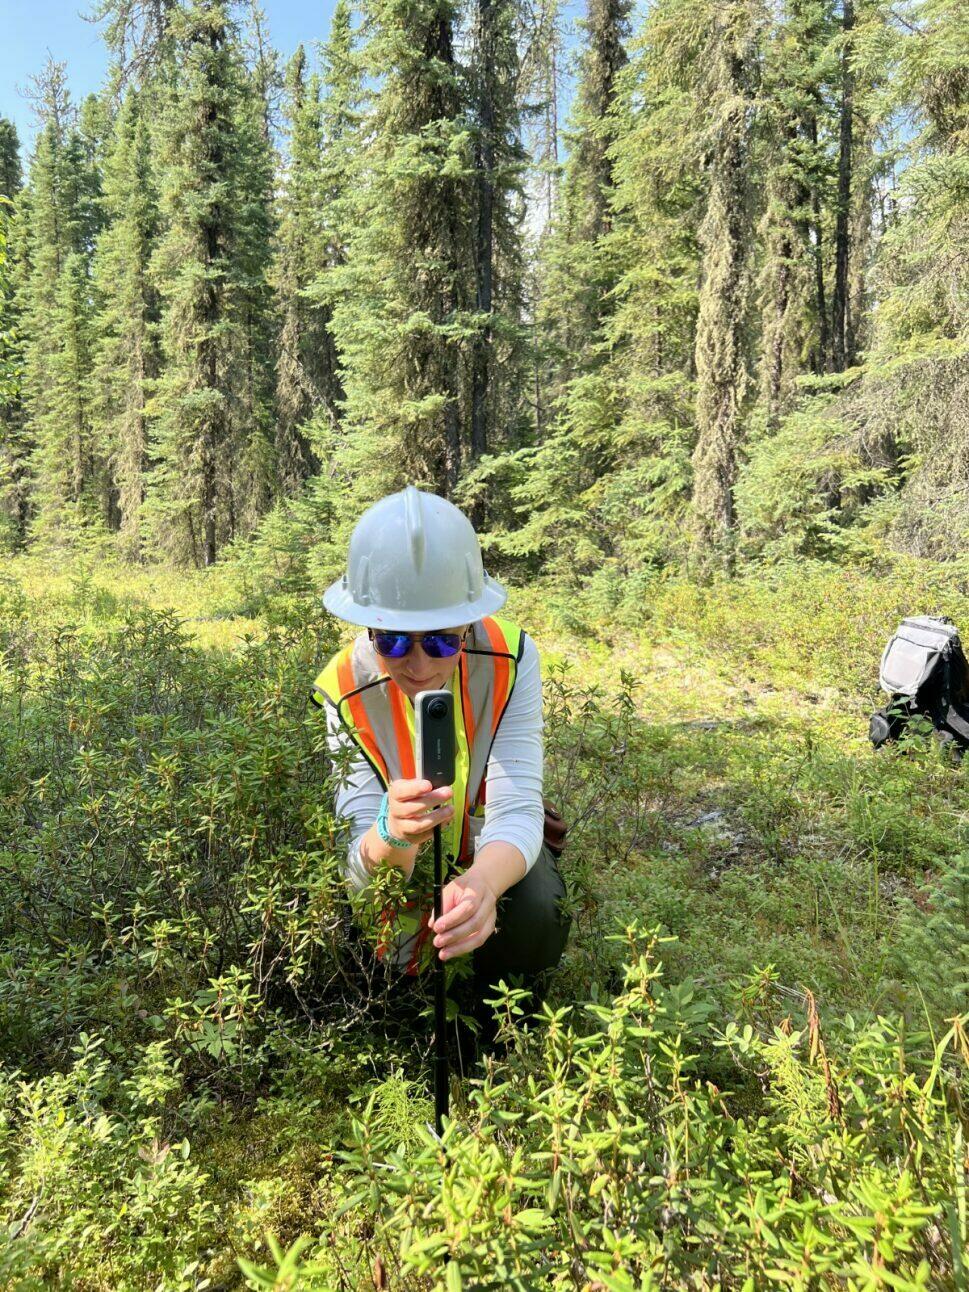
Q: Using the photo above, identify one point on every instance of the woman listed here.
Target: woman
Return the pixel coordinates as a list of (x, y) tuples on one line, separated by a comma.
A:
[(416, 584)]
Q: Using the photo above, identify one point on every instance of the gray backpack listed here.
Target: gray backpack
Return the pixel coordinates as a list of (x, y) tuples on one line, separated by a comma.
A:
[(924, 671)]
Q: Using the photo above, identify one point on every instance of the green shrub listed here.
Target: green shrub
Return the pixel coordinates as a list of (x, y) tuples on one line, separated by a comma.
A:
[(168, 856), (170, 881), (600, 1156), (95, 1191)]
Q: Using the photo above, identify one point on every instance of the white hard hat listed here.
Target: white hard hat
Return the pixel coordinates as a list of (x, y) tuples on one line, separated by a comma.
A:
[(414, 564)]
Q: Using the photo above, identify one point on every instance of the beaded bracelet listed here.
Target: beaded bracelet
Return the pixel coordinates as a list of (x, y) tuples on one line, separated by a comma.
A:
[(383, 828)]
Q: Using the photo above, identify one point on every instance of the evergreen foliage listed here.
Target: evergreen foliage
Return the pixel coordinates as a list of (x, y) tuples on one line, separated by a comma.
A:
[(10, 170), (589, 318), (212, 470), (578, 274), (307, 379), (497, 361), (56, 308), (13, 483), (128, 350), (726, 64), (406, 282), (689, 342), (797, 122)]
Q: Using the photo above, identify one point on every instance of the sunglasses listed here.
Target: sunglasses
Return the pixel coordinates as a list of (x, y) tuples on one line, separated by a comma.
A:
[(397, 645)]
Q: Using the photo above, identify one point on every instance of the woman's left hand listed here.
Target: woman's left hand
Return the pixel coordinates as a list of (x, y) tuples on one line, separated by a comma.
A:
[(468, 905)]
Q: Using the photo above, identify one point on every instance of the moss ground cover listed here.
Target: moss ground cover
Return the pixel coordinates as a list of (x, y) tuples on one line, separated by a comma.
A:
[(752, 1069)]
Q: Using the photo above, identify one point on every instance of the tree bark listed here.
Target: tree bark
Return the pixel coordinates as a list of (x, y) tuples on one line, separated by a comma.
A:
[(776, 358), (450, 357), (484, 232), (819, 291), (721, 359), (839, 304)]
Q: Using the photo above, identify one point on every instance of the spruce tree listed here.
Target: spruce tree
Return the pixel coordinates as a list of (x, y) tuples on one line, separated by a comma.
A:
[(325, 198), (138, 34), (605, 494), (209, 440), (343, 127), (263, 62), (499, 164), (86, 145), (540, 78), (575, 407), (255, 482), (799, 175), (13, 449), (400, 297), (923, 270), (63, 217), (127, 361), (590, 179), (840, 321), (70, 478), (578, 277), (306, 369), (10, 173), (9, 366), (726, 237)]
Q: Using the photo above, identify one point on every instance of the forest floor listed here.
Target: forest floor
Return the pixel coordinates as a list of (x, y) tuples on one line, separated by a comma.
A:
[(711, 756), (766, 831)]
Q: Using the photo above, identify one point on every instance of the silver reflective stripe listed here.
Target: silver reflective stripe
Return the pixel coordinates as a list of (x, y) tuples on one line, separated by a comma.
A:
[(481, 688)]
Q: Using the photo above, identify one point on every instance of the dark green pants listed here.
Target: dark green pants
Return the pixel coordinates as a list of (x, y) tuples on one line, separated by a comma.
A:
[(530, 935), (530, 929)]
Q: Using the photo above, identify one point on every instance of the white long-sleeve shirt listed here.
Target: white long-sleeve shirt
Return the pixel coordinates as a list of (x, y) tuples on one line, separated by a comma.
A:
[(514, 812)]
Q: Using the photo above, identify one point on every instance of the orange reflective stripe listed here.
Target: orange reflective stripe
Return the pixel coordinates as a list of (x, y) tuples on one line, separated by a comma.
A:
[(359, 714), (405, 749), (467, 711), (498, 644), (466, 708)]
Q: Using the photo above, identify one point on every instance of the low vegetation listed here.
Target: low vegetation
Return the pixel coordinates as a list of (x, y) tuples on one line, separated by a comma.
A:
[(752, 1065)]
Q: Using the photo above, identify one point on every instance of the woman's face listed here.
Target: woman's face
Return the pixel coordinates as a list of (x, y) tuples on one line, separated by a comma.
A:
[(417, 672)]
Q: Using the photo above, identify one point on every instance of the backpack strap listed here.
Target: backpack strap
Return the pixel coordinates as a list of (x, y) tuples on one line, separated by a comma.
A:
[(955, 722)]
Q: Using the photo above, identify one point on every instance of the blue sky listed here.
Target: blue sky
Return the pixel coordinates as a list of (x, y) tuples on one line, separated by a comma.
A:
[(31, 28)]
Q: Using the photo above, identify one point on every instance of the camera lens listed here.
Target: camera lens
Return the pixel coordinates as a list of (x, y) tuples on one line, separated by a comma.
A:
[(437, 709)]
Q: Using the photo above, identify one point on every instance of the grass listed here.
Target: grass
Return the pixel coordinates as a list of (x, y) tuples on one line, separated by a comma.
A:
[(766, 829), (709, 751)]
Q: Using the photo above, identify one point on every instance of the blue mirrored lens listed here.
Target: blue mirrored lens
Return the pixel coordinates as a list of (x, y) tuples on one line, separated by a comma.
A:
[(437, 645), (441, 645), (393, 645)]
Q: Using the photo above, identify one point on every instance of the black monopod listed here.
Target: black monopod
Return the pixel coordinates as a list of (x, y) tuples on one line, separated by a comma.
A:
[(434, 740)]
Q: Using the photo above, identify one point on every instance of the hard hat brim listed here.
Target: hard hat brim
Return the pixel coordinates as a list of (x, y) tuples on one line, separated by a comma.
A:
[(339, 602)]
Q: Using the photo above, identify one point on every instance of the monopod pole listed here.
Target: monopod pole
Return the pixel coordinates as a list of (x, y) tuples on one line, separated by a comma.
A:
[(440, 1010)]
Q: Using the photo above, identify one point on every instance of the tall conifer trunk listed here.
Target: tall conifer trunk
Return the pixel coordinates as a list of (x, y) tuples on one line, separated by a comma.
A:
[(484, 230), (818, 245), (448, 357), (840, 329), (721, 359), (212, 428), (780, 305)]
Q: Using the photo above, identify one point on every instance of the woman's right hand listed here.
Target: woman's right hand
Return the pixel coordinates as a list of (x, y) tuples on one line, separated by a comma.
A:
[(407, 809)]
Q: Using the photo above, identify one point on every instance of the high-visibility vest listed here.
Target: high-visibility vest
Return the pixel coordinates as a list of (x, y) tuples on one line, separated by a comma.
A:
[(380, 719)]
